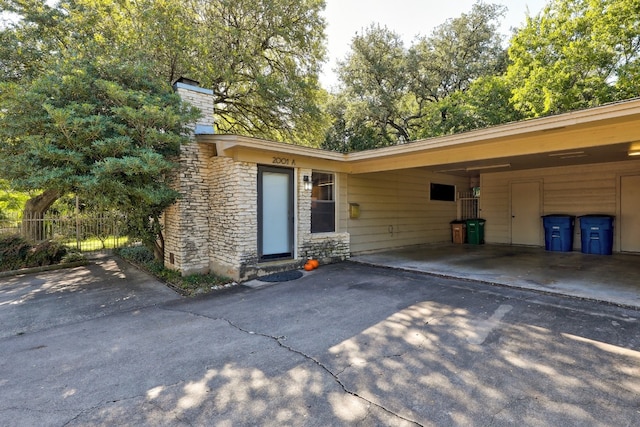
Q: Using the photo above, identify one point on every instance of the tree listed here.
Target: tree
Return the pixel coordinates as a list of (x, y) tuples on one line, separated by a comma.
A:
[(102, 129), (375, 81), (27, 45), (261, 58), (458, 52), (485, 102), (397, 94), (576, 54)]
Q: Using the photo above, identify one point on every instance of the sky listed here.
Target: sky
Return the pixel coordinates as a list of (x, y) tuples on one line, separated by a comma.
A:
[(408, 18)]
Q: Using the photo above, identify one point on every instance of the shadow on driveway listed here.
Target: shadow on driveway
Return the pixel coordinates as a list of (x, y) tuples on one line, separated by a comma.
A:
[(38, 301), (346, 344)]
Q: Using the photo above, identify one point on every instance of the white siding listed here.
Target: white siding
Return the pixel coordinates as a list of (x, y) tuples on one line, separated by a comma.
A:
[(395, 209), (573, 190)]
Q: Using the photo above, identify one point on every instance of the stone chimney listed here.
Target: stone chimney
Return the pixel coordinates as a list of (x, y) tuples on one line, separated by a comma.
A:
[(186, 222), (191, 92)]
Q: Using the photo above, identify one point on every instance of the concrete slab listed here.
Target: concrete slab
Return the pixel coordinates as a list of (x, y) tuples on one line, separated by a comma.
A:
[(614, 279)]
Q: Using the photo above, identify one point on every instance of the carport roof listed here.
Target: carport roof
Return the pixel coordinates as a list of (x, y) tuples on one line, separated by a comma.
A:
[(595, 135)]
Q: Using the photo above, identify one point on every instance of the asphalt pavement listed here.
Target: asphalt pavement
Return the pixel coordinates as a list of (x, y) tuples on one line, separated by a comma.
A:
[(347, 344)]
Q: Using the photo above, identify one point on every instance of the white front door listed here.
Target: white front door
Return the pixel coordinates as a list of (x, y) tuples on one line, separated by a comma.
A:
[(275, 213), (525, 213), (629, 221)]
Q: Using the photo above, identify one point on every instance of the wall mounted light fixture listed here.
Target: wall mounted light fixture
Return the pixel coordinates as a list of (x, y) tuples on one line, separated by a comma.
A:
[(308, 185)]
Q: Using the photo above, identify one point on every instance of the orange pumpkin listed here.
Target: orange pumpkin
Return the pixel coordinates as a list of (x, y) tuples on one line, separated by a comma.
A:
[(308, 266), (314, 263)]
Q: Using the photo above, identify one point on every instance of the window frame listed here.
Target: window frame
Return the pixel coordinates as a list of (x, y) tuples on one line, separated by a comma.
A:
[(315, 203)]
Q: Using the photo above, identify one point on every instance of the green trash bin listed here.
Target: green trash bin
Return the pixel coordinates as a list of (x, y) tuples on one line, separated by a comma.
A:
[(475, 231)]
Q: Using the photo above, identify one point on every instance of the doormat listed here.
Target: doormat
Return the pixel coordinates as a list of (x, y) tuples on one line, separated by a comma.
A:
[(283, 276)]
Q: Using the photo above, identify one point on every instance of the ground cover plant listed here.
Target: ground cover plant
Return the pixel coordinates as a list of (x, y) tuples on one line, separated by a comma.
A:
[(193, 284)]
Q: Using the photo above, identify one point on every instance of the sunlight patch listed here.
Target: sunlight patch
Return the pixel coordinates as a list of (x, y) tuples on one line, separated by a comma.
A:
[(609, 348), (155, 392), (348, 408)]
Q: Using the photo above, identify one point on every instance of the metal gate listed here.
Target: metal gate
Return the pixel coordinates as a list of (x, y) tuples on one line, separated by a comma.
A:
[(86, 232), (467, 205)]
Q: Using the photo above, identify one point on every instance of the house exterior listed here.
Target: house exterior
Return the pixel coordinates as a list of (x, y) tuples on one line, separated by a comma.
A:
[(251, 207)]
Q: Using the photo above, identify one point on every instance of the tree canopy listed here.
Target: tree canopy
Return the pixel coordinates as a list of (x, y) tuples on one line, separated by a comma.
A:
[(576, 54), (261, 58), (102, 129), (391, 94), (573, 54)]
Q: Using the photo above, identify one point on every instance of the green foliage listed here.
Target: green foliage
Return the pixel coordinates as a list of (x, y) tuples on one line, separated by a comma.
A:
[(11, 202), (486, 102), (391, 94), (193, 284), (46, 253), (72, 257), (17, 253), (260, 57), (457, 53), (100, 129), (576, 54), (136, 254), (13, 252)]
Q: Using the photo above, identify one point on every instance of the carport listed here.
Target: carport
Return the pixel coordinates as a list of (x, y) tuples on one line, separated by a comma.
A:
[(614, 279), (579, 163)]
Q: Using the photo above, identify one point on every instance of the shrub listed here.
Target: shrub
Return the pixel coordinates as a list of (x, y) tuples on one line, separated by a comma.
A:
[(13, 252), (137, 254), (73, 257), (45, 253), (16, 252)]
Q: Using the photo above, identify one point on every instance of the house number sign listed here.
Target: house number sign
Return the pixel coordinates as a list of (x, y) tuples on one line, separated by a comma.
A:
[(283, 161)]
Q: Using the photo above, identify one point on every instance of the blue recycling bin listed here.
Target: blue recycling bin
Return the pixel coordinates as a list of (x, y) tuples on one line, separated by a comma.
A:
[(558, 232), (597, 234)]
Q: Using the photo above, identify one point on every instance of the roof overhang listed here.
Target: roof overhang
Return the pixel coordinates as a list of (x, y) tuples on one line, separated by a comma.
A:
[(247, 149), (601, 134)]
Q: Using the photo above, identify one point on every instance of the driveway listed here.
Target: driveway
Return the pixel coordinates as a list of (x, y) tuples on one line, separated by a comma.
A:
[(346, 344)]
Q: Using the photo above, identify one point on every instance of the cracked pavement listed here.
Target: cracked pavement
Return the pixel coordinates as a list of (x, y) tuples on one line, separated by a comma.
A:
[(344, 345)]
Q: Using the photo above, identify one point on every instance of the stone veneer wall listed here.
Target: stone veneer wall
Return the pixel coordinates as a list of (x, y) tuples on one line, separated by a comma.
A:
[(326, 247), (233, 233), (303, 213), (187, 221)]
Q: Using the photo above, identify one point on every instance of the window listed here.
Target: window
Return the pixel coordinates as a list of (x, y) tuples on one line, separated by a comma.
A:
[(443, 192), (323, 204)]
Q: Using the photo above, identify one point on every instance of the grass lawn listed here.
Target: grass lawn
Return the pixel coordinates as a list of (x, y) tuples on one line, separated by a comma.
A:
[(95, 244)]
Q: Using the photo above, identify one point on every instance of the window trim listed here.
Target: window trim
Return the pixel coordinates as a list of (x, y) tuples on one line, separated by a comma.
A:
[(334, 195)]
